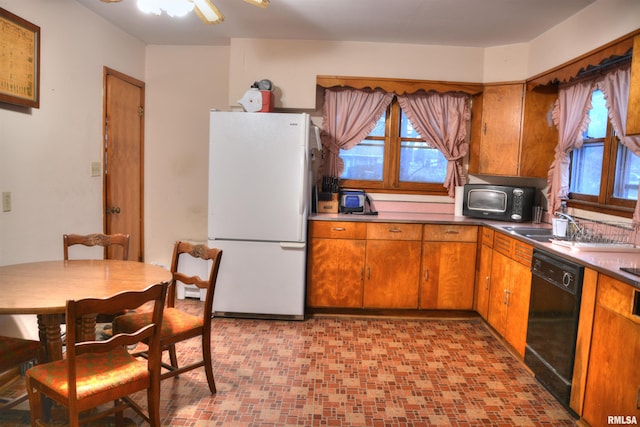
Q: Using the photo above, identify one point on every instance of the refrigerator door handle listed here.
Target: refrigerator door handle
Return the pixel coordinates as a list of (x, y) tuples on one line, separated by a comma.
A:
[(293, 245)]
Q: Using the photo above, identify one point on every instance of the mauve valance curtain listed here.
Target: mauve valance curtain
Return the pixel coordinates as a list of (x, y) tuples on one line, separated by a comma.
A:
[(348, 116), (615, 87), (570, 115), (441, 119)]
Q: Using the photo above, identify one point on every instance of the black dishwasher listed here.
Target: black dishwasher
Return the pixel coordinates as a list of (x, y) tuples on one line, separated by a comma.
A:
[(554, 308)]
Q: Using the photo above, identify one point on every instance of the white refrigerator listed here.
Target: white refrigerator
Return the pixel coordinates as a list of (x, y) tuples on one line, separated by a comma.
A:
[(259, 198)]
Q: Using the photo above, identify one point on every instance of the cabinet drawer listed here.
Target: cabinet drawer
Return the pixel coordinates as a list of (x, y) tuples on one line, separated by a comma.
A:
[(619, 297), (450, 233), (514, 249), (394, 231), (522, 253), (487, 236), (502, 244), (338, 229)]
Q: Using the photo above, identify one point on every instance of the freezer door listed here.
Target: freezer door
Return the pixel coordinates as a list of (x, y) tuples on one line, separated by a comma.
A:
[(258, 179), (259, 279)]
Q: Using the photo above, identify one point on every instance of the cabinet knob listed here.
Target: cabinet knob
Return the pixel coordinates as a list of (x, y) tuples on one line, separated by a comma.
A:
[(338, 228), (486, 282), (395, 230), (426, 274)]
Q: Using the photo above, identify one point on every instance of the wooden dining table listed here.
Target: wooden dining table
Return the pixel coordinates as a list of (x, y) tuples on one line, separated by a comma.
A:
[(43, 288)]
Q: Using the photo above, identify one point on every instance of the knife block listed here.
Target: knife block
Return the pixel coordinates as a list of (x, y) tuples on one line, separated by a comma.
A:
[(328, 206)]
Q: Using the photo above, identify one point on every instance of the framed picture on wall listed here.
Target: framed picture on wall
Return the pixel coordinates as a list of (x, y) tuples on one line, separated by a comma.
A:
[(19, 61)]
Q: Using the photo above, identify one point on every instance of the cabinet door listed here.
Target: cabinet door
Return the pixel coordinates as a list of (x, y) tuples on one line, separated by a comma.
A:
[(501, 126), (448, 271), (633, 106), (518, 306), (483, 281), (392, 273), (500, 277), (613, 380), (335, 273)]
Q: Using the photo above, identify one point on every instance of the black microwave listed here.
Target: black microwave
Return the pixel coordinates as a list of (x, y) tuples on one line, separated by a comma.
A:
[(498, 202)]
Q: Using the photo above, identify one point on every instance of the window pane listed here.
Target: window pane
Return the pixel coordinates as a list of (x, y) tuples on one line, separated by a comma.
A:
[(380, 126), (586, 169), (598, 115), (421, 163), (627, 174), (364, 161), (406, 128)]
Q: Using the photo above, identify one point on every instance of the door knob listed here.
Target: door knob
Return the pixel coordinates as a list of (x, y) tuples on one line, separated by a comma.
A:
[(113, 210)]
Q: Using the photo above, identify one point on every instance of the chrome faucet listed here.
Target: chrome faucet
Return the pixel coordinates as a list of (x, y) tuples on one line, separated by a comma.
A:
[(576, 230)]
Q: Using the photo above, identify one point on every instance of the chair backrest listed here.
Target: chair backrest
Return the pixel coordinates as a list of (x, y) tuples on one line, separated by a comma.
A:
[(205, 254), (104, 240), (149, 333)]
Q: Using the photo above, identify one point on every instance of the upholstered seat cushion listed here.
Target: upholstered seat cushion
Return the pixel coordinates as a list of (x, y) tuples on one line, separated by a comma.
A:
[(174, 322), (14, 351), (95, 372)]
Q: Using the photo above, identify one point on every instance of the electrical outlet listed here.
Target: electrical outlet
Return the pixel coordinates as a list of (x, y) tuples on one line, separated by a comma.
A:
[(6, 201), (96, 168)]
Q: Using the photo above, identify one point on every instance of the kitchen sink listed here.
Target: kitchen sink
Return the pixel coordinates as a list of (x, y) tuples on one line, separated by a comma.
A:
[(533, 233)]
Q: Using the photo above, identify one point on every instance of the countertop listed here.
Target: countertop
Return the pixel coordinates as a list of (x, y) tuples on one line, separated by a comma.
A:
[(608, 263)]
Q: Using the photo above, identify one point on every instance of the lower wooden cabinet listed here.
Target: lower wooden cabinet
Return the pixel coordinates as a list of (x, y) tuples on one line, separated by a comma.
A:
[(448, 267), (510, 290), (392, 265), (613, 376), (335, 267), (483, 273)]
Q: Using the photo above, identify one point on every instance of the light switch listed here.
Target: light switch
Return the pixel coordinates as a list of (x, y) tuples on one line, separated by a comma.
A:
[(96, 168), (6, 201)]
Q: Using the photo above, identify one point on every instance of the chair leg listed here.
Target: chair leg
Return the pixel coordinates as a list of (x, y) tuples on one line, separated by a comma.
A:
[(35, 402), (153, 405), (206, 356), (172, 355)]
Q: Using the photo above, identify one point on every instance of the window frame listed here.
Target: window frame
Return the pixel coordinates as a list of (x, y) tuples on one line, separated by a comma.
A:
[(390, 182), (604, 202)]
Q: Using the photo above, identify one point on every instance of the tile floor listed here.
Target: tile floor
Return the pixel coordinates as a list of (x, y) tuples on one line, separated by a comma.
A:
[(354, 371)]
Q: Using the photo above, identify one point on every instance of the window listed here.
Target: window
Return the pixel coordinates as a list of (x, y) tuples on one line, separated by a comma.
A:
[(604, 173), (394, 157)]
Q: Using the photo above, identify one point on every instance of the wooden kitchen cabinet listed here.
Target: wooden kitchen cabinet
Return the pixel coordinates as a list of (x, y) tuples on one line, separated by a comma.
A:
[(510, 289), (448, 267), (483, 274), (511, 131), (335, 268), (633, 112), (613, 378), (392, 265)]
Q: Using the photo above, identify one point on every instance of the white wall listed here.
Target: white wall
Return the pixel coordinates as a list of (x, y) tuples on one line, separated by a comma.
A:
[(182, 84), (292, 65)]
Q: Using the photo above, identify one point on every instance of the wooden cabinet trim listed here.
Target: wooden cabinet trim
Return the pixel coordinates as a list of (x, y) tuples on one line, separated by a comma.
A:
[(393, 231), (338, 230), (450, 233)]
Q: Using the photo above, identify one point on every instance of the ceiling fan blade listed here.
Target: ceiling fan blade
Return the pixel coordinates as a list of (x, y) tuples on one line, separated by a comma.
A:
[(208, 13)]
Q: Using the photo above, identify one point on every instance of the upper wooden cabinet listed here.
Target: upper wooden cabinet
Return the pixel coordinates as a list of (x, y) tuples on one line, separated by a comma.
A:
[(511, 131), (633, 113)]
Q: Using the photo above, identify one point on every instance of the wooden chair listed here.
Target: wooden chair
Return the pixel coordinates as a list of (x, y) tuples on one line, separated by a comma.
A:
[(14, 352), (179, 326), (98, 372), (106, 240)]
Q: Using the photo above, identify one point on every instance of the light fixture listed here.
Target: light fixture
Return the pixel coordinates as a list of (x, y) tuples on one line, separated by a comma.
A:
[(259, 3), (173, 8), (208, 13), (205, 9)]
